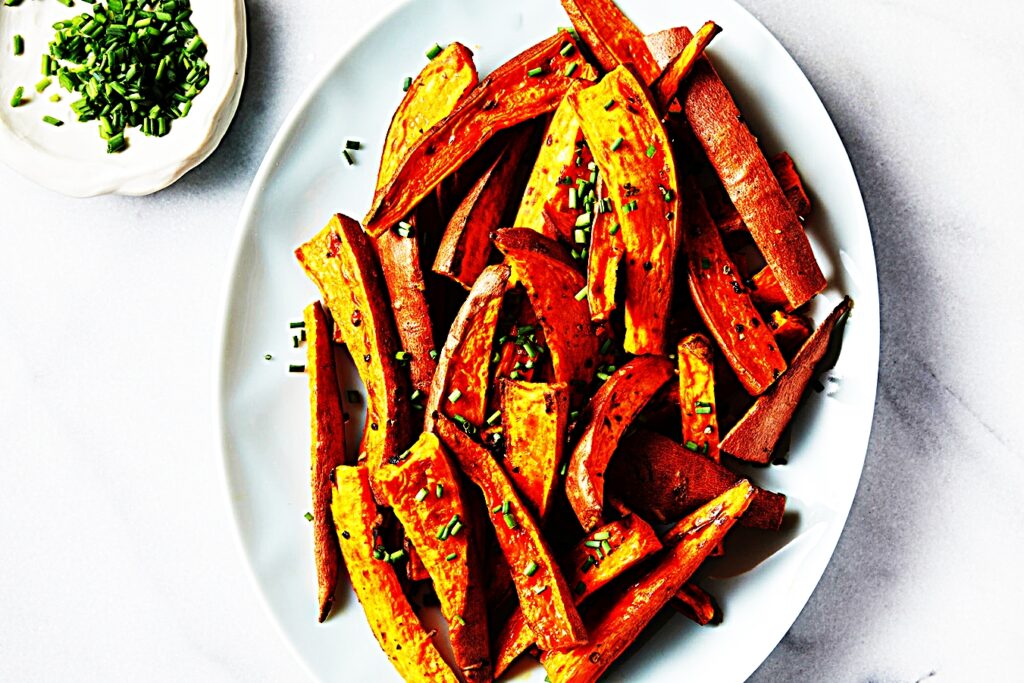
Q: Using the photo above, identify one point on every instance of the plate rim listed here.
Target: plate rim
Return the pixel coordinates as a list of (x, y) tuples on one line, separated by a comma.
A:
[(286, 130)]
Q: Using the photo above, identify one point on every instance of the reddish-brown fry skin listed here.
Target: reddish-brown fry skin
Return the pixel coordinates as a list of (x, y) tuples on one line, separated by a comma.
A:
[(433, 95), (791, 330), (745, 174), (641, 169), (723, 303), (464, 362), (505, 98), (606, 251), (789, 180), (552, 613), (604, 420), (697, 392), (327, 428), (667, 84), (765, 291), (341, 260), (391, 617), (631, 539), (414, 569), (457, 582), (534, 418), (754, 437), (697, 604), (400, 263), (615, 628), (663, 481), (466, 245), (552, 283), (611, 36)]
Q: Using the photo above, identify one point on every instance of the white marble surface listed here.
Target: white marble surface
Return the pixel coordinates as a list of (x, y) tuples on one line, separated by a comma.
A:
[(119, 561)]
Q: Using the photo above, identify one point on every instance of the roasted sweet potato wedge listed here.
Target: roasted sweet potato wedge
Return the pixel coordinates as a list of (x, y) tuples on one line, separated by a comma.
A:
[(633, 153), (667, 84), (534, 417), (425, 492), (697, 394), (725, 306), (462, 378), (433, 95), (563, 158), (400, 262), (588, 567), (544, 595), (754, 437), (615, 628), (391, 617), (466, 246), (785, 172), (765, 291), (513, 93), (327, 427), (341, 261), (663, 481), (746, 175), (697, 604), (791, 330), (606, 251), (414, 569), (605, 419), (611, 36), (554, 285)]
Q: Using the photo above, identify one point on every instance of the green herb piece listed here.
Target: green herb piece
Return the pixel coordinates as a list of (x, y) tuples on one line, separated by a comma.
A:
[(592, 544), (308, 516), (581, 295), (267, 357), (297, 324), (609, 104), (53, 121), (614, 229), (421, 495), (17, 96), (702, 410), (580, 588), (510, 521), (536, 71), (439, 490), (19, 44), (455, 396), (296, 368), (651, 151), (567, 50), (705, 263), (531, 568), (606, 547), (458, 618), (691, 446), (349, 159), (618, 143), (451, 556), (434, 51), (433, 354), (602, 536), (55, 97), (396, 556), (406, 84), (494, 417), (571, 69), (353, 144)]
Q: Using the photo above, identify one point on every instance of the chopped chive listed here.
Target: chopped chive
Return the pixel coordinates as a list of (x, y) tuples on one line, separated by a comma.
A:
[(571, 69), (406, 84), (267, 356), (510, 521), (536, 71), (458, 618), (592, 544), (588, 563), (606, 346), (505, 505), (531, 568), (603, 376), (702, 410), (602, 536), (434, 51), (403, 356), (396, 556), (580, 588), (609, 104), (55, 97), (16, 97), (651, 151), (493, 418), (572, 198), (455, 396), (581, 295), (308, 516), (299, 323), (416, 394), (606, 547), (563, 470), (566, 50), (705, 262), (43, 84), (573, 415), (348, 157), (537, 590), (439, 490), (691, 446), (618, 143), (702, 404), (379, 553), (442, 532), (53, 121), (496, 509), (456, 528), (614, 229), (421, 495), (451, 556), (353, 144), (19, 44), (433, 354), (296, 368)]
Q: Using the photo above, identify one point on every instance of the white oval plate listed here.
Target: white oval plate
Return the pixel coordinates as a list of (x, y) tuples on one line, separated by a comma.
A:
[(73, 159), (264, 409)]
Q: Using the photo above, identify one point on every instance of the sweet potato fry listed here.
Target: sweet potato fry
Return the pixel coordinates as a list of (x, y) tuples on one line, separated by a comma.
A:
[(606, 251), (633, 152), (463, 366), (544, 595), (553, 285), (327, 427), (747, 177), (509, 96), (425, 493), (667, 84), (765, 291), (782, 166), (697, 394), (588, 568), (403, 274), (697, 604), (391, 617), (433, 95), (605, 419), (663, 481), (790, 330), (754, 437), (554, 173), (534, 418), (615, 628), (611, 36), (341, 261), (466, 246), (724, 304), (414, 569)]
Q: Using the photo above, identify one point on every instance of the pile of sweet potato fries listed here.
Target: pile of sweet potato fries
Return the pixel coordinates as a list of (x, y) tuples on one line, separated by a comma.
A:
[(547, 404)]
